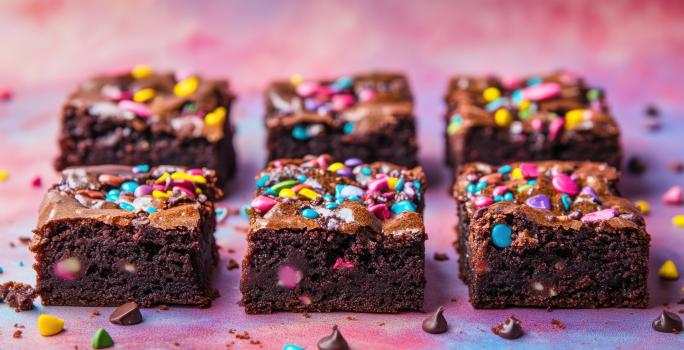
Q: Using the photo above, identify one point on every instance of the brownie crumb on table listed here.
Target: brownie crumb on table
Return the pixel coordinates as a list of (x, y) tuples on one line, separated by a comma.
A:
[(17, 295), (441, 256)]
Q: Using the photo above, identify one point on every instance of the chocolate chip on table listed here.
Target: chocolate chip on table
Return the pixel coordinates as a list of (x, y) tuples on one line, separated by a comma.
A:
[(232, 264), (652, 111), (668, 322), (436, 323), (510, 328), (441, 256), (126, 314), (334, 341), (635, 165)]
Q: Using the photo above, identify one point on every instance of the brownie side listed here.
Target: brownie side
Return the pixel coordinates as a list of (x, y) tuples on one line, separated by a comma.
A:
[(379, 273)]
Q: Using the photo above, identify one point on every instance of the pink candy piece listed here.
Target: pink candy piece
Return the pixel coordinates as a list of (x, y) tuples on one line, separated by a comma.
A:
[(340, 263), (138, 108), (68, 269), (5, 94), (378, 185), (674, 196), (36, 182), (323, 161), (189, 193), (366, 95), (289, 277), (537, 124), (555, 127), (529, 170), (185, 183), (483, 201), (342, 101), (381, 211), (564, 184), (500, 190), (263, 203), (511, 83), (600, 215), (195, 172), (307, 88), (541, 91)]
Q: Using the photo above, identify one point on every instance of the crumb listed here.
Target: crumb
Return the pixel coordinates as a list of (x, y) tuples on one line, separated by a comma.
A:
[(95, 313), (25, 240), (635, 165), (557, 324), (18, 295), (241, 229), (163, 307), (652, 124), (176, 344), (381, 324), (231, 251), (242, 336), (441, 256), (17, 334), (454, 299), (306, 315), (255, 342), (232, 264), (677, 167), (352, 318), (652, 111), (12, 245)]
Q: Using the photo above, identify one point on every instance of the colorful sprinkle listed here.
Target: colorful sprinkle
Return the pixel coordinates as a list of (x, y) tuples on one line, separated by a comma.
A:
[(600, 215), (141, 168), (141, 71), (490, 94), (402, 206), (292, 347), (283, 184), (144, 95), (540, 201), (127, 206), (353, 162), (643, 206), (289, 277), (138, 109), (348, 128), (564, 184), (350, 191), (331, 205), (310, 213), (574, 118), (381, 211), (216, 118), (334, 167), (102, 339), (287, 193), (567, 201), (340, 263), (300, 133), (674, 196), (540, 91), (308, 193), (129, 186), (504, 169), (186, 87), (503, 118), (678, 220), (454, 124), (529, 170), (483, 201), (501, 236), (36, 182), (668, 271), (263, 203), (49, 325)]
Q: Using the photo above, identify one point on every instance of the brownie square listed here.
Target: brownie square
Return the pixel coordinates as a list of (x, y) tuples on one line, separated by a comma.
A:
[(365, 116), (110, 234), (140, 116), (550, 117), (327, 236), (549, 234)]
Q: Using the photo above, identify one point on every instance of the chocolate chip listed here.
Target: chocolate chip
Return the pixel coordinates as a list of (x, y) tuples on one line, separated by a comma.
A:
[(652, 111), (635, 166), (232, 264), (334, 341), (668, 322), (511, 328), (436, 324), (441, 256), (126, 314), (677, 167)]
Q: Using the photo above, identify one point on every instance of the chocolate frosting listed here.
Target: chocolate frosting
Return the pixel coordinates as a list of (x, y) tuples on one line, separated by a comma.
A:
[(379, 99), (335, 212), (181, 115)]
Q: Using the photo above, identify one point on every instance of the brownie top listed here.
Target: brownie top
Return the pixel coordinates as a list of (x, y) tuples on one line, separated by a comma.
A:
[(166, 196), (186, 105), (553, 105), (349, 196), (551, 193), (360, 104)]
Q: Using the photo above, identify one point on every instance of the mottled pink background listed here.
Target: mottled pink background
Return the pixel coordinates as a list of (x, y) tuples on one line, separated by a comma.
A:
[(635, 49)]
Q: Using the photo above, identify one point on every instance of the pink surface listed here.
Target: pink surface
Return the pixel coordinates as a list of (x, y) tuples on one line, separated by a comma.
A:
[(632, 48)]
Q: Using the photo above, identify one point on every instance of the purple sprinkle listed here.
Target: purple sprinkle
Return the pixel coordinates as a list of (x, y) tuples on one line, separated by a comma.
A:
[(600, 215), (311, 104), (345, 172), (352, 162), (590, 191), (540, 201), (351, 191), (143, 190), (195, 172)]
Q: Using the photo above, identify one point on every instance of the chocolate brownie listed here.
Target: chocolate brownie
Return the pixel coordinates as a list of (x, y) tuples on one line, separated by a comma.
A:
[(551, 117), (366, 116), (327, 236), (143, 117), (110, 234), (549, 234)]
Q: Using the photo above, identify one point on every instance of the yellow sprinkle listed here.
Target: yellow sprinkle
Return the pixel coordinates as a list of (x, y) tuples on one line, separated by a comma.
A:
[(453, 128), (49, 325), (296, 79), (491, 93), (4, 174), (392, 182), (216, 118), (524, 104), (287, 193), (308, 193), (198, 190), (678, 220), (503, 118), (198, 179), (335, 166), (160, 194), (643, 206), (179, 175), (573, 118), (144, 95), (668, 271), (517, 174), (186, 87), (141, 71), (163, 177)]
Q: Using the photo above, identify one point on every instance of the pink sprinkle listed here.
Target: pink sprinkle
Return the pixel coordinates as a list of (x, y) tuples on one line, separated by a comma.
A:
[(564, 184), (537, 124), (185, 183), (600, 215), (190, 194), (263, 203), (138, 108), (381, 211), (492, 178), (555, 127), (278, 164), (323, 161), (5, 94), (483, 201), (195, 172), (289, 277), (674, 196), (378, 185), (529, 170), (511, 83), (366, 95), (115, 94), (307, 88), (541, 91), (298, 187), (340, 263), (68, 268), (36, 182), (500, 190), (342, 101), (118, 71)]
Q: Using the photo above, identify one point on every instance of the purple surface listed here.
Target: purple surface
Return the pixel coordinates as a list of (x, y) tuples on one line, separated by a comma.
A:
[(634, 49)]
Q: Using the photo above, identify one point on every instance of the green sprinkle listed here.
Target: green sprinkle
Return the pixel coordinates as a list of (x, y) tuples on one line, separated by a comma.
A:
[(283, 184), (101, 339)]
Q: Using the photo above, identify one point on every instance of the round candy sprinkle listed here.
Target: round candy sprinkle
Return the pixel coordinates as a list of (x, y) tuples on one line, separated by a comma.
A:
[(141, 168), (342, 83), (366, 171), (144, 95), (674, 196), (501, 236), (102, 339), (643, 206), (678, 220), (126, 206), (186, 87), (300, 133), (503, 118), (567, 201), (564, 184), (574, 118), (491, 93), (600, 215), (129, 186), (331, 205), (353, 162), (540, 201), (309, 213), (4, 174), (402, 206), (348, 128), (141, 71), (366, 95), (668, 271), (292, 347), (345, 172), (263, 203), (151, 210), (500, 190), (504, 169), (350, 191), (216, 118), (334, 167), (529, 170), (49, 325), (283, 184), (342, 101), (307, 88), (483, 201), (381, 211)]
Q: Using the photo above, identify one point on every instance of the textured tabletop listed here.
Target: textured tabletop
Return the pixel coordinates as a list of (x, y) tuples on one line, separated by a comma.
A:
[(633, 49)]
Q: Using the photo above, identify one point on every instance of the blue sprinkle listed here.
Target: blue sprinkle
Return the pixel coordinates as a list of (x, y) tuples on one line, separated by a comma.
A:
[(309, 213), (534, 81), (301, 178), (532, 182), (141, 168), (501, 236), (1, 270), (328, 197), (299, 133), (494, 105), (354, 198), (261, 182), (271, 192), (508, 197), (342, 83), (243, 211), (456, 119), (471, 188), (129, 186), (348, 128), (126, 206), (113, 193), (151, 210), (339, 200), (517, 97), (338, 189), (416, 184), (366, 171), (567, 201), (498, 198), (21, 264), (292, 347), (504, 169), (402, 206), (481, 186), (399, 186), (332, 205)]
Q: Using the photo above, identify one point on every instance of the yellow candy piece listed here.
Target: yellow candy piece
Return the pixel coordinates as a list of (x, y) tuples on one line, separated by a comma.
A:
[(503, 118), (491, 93), (179, 175), (141, 71), (643, 206), (4, 174), (573, 118), (198, 179), (296, 79), (668, 271), (335, 166), (163, 177), (287, 193), (678, 220), (144, 95), (517, 174), (186, 87), (308, 193), (392, 182), (160, 194), (216, 118), (49, 325)]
